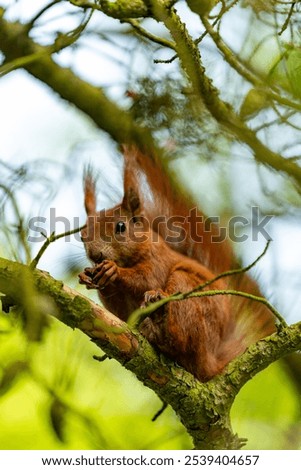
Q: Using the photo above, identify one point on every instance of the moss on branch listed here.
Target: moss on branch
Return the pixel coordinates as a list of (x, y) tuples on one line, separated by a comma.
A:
[(119, 9)]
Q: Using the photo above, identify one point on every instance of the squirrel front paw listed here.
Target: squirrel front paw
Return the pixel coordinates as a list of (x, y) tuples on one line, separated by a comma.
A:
[(105, 273), (99, 276), (86, 278)]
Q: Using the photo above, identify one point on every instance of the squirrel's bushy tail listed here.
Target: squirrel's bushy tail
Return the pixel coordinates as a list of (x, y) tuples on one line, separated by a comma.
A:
[(186, 230), (173, 214)]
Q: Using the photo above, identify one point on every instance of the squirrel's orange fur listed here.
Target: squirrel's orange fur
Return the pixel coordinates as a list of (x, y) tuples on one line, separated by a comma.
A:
[(139, 256)]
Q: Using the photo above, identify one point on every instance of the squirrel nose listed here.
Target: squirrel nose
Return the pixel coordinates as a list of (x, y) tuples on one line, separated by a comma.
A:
[(97, 258)]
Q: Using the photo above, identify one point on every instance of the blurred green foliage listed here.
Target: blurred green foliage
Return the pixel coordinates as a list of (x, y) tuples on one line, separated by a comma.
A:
[(267, 411), (54, 395)]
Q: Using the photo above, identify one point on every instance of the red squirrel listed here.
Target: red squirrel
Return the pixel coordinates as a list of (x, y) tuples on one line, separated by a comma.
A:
[(152, 245)]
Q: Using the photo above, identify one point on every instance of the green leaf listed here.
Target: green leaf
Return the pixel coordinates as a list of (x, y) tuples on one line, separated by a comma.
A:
[(201, 7), (255, 100), (293, 65), (286, 70)]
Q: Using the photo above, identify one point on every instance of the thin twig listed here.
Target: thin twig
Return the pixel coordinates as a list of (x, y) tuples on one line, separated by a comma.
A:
[(138, 314), (159, 412), (141, 313), (246, 295), (233, 272), (20, 62), (101, 358), (52, 238), (20, 221), (285, 24), (146, 34), (61, 42), (280, 119), (32, 22)]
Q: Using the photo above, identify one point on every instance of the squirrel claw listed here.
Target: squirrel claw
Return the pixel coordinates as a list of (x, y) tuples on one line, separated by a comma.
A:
[(85, 279), (152, 296), (89, 272)]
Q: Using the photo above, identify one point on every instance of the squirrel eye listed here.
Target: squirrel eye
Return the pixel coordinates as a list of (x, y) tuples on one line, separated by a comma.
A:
[(120, 227)]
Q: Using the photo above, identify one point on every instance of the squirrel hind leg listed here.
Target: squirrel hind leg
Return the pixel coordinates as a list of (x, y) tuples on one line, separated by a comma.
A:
[(153, 327), (152, 331)]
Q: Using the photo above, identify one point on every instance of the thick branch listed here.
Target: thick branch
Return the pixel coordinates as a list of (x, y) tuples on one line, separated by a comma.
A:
[(262, 354), (203, 408), (119, 9)]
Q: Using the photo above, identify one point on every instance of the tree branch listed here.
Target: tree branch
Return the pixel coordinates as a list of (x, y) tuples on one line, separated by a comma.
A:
[(203, 87), (52, 238), (146, 34), (15, 43), (261, 355), (247, 74), (140, 313), (204, 408), (119, 9)]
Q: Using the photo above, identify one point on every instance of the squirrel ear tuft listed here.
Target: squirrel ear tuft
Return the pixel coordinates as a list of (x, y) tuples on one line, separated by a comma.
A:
[(89, 191), (131, 201)]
